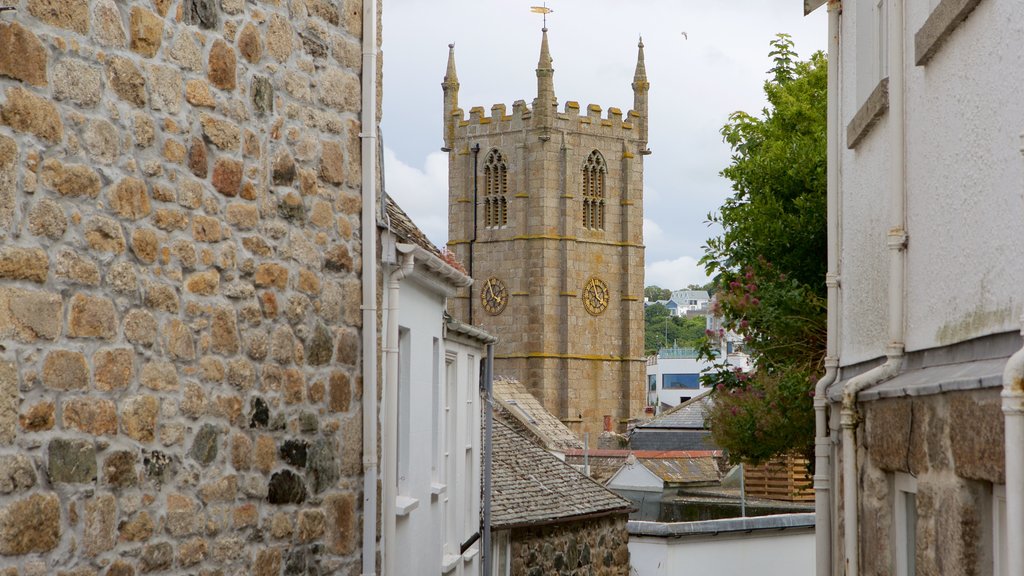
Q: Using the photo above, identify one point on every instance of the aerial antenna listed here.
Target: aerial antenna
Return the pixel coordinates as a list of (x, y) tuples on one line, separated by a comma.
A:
[(542, 10)]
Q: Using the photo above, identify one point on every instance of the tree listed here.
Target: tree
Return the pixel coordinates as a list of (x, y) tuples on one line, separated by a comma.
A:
[(663, 330), (770, 263), (655, 293)]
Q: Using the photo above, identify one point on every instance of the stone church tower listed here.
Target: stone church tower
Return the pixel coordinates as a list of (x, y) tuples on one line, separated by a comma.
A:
[(545, 209)]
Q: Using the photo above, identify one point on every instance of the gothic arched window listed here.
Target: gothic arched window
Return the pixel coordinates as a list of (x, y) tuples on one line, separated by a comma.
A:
[(495, 190), (594, 174)]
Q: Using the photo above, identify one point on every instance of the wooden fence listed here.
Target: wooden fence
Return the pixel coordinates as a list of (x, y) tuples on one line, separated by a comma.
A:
[(781, 479)]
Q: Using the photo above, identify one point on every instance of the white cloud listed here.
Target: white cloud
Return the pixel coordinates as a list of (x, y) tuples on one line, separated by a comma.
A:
[(422, 193), (675, 274)]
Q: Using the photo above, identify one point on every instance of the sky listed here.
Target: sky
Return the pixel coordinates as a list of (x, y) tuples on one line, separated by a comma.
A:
[(697, 80)]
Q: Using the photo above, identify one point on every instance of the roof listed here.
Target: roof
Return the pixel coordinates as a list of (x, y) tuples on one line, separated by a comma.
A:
[(683, 470), (679, 295), (689, 415), (400, 222), (530, 416), (531, 487), (672, 439), (706, 528)]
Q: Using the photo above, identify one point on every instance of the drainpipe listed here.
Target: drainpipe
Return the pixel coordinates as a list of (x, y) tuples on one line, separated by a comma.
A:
[(897, 243), (1013, 415), (472, 241), (390, 477), (485, 546), (368, 136), (822, 439)]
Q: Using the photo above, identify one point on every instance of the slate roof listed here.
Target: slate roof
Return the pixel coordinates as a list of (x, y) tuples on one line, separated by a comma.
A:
[(683, 296), (402, 224), (532, 487), (672, 439), (688, 415), (683, 470), (530, 417)]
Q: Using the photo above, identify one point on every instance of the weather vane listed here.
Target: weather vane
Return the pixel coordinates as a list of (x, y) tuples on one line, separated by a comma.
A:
[(542, 10)]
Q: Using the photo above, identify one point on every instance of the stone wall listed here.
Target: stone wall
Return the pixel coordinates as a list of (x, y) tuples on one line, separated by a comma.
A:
[(179, 287), (953, 445), (595, 547)]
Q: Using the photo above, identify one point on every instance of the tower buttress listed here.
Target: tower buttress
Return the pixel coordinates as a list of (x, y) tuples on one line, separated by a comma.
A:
[(545, 103), (450, 86), (640, 89)]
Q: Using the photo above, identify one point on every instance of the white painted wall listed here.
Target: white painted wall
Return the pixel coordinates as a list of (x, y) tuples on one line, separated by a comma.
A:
[(774, 553), (635, 476), (964, 176), (442, 382), (662, 366)]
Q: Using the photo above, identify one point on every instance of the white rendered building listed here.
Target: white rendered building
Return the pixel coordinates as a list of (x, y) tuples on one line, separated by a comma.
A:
[(431, 424)]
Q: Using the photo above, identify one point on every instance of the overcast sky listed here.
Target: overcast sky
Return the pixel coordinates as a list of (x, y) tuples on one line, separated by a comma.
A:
[(696, 80)]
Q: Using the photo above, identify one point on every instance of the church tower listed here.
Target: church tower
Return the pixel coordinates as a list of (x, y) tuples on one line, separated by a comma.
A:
[(545, 209)]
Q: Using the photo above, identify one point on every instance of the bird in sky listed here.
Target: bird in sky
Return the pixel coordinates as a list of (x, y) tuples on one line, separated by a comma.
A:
[(685, 37)]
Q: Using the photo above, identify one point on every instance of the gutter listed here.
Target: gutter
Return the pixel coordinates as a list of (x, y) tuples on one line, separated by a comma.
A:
[(897, 243), (390, 448), (368, 221)]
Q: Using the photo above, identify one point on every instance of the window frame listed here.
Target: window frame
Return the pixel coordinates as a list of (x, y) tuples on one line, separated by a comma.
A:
[(594, 187), (904, 524)]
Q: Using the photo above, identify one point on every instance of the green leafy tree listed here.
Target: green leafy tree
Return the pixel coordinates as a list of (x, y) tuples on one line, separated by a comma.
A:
[(770, 262), (655, 293), (663, 330)]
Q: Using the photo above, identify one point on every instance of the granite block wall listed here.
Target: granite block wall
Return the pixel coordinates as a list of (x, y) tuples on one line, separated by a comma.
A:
[(180, 287)]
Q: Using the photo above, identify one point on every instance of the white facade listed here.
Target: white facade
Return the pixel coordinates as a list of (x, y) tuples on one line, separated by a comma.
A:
[(673, 375), (963, 177), (633, 475), (437, 445), (764, 552)]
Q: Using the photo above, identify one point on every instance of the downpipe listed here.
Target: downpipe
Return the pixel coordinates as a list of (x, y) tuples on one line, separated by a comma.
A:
[(1013, 419), (896, 242), (390, 477), (368, 221), (822, 438)]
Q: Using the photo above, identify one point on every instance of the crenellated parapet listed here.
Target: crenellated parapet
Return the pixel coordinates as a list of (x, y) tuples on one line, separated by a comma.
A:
[(593, 119), (543, 114)]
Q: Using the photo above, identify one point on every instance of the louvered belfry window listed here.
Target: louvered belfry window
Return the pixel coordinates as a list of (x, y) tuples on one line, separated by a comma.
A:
[(594, 174), (495, 190)]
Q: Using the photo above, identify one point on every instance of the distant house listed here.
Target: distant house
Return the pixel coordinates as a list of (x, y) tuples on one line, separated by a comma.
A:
[(673, 376), (691, 301), (431, 437), (679, 428), (547, 518), (657, 473)]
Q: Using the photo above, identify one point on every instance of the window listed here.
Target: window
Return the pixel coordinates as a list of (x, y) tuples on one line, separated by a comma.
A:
[(502, 553), (470, 481), (404, 389), (451, 548), (495, 190), (680, 381), (652, 382), (872, 21), (436, 415), (906, 524), (594, 174), (999, 539)]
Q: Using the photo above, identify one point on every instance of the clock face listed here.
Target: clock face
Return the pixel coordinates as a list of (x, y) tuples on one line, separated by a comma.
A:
[(596, 296), (494, 296)]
